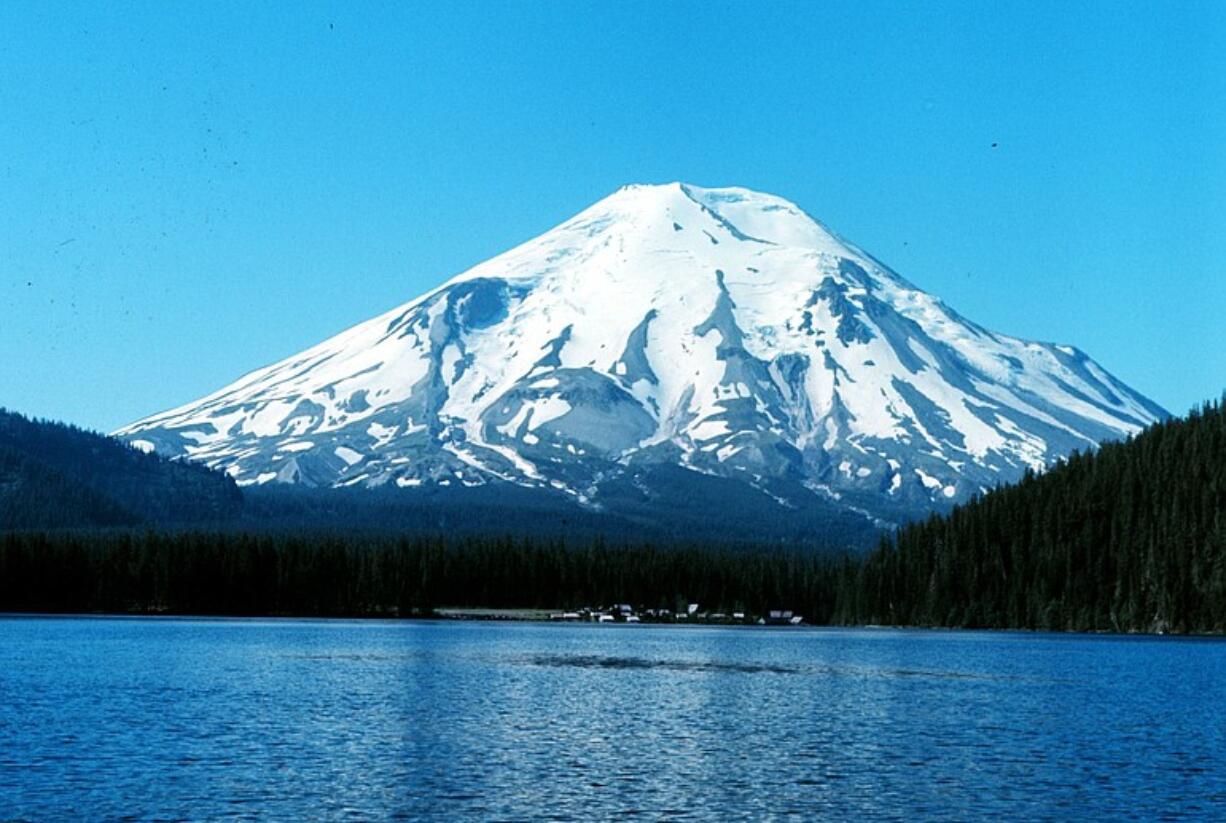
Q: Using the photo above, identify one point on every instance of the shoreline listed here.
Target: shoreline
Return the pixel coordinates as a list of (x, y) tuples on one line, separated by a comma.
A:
[(531, 616)]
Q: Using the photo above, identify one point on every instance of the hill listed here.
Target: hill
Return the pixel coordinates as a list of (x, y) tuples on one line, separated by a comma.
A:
[(56, 476)]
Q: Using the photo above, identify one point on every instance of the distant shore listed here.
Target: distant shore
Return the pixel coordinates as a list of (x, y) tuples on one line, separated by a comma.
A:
[(477, 614), (522, 615)]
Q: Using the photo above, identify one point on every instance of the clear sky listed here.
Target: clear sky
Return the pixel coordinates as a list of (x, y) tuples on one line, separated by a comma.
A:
[(189, 191)]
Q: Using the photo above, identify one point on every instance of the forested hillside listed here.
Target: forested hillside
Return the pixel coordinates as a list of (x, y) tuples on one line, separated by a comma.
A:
[(1131, 537), (33, 495), (680, 507), (54, 475)]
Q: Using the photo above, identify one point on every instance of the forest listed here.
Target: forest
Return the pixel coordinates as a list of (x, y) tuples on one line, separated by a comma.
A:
[(1130, 537), (54, 475), (226, 573)]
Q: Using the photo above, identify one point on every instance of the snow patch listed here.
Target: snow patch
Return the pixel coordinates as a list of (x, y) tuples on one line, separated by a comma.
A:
[(351, 457)]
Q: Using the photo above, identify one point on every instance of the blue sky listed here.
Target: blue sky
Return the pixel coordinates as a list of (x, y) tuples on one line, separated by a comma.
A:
[(190, 191)]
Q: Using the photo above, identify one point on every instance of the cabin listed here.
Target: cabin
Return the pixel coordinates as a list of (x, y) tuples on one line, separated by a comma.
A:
[(779, 617)]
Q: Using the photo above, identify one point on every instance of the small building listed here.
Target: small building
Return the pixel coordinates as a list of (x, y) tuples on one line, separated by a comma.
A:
[(780, 617)]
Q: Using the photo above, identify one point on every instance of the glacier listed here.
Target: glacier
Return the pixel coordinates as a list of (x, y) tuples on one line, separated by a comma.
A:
[(719, 331)]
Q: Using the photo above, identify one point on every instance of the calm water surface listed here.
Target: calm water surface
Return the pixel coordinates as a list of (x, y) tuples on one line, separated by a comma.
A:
[(287, 719)]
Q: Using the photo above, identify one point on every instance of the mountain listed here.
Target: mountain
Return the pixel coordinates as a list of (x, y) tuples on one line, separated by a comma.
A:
[(1131, 537), (668, 331), (58, 476)]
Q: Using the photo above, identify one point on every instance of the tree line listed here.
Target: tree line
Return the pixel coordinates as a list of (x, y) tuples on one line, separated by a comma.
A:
[(235, 573)]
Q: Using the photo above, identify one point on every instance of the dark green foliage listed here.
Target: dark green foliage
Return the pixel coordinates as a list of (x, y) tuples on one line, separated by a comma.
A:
[(35, 496), (1131, 537), (277, 574), (53, 475)]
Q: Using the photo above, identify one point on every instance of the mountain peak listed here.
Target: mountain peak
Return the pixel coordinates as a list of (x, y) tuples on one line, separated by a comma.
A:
[(719, 330), (681, 195), (659, 215)]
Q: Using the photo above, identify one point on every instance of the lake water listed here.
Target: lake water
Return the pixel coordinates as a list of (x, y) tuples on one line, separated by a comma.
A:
[(294, 719)]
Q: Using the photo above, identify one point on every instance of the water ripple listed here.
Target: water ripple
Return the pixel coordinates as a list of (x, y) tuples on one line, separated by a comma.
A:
[(181, 719)]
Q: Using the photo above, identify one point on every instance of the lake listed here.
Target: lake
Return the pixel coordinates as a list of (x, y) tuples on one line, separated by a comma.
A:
[(195, 718)]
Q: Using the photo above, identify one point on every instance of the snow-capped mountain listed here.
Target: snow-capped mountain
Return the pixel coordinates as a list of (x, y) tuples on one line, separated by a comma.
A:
[(719, 330)]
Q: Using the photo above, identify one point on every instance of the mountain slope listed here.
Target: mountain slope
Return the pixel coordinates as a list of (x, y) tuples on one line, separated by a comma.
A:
[(718, 330), (1129, 538), (53, 475), (33, 496)]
